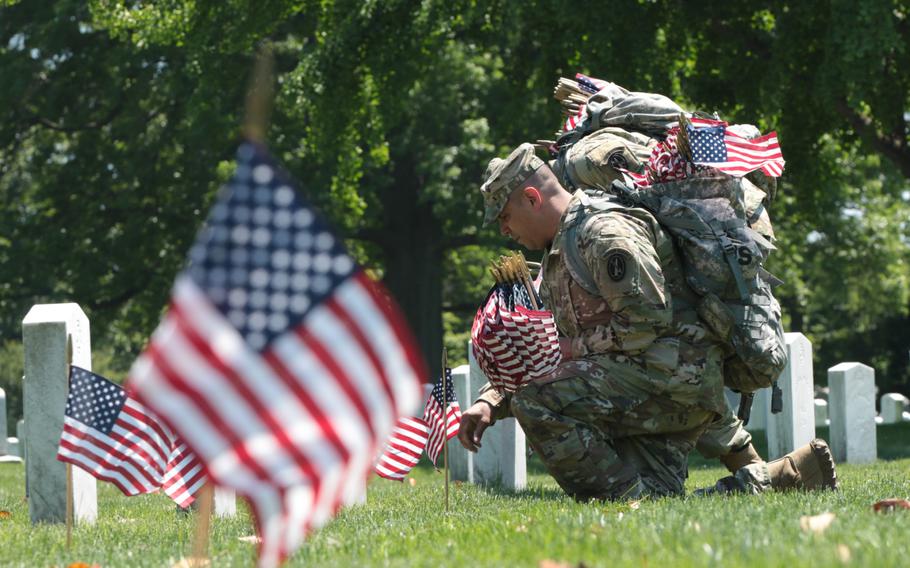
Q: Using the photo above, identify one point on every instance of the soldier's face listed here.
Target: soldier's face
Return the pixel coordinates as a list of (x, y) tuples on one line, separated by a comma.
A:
[(520, 221)]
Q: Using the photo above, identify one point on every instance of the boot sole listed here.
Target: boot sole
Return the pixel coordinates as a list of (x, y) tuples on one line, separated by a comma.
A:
[(822, 453)]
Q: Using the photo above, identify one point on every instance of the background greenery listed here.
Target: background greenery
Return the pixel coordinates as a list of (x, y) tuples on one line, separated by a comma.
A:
[(406, 525), (119, 118)]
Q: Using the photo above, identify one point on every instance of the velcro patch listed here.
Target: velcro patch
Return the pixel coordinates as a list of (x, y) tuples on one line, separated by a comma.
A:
[(616, 266)]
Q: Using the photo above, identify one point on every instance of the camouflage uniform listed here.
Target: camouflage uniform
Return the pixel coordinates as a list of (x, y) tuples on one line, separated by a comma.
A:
[(619, 418)]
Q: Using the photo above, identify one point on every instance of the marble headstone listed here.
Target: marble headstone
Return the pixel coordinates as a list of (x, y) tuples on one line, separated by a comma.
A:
[(821, 413), (893, 405), (795, 425), (852, 412), (3, 434), (45, 333)]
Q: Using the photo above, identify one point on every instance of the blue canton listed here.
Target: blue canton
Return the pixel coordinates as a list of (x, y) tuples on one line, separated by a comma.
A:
[(450, 392), (707, 144), (265, 258), (94, 400)]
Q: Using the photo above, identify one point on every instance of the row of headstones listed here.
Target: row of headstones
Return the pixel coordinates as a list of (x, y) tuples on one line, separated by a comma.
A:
[(46, 331), (503, 457)]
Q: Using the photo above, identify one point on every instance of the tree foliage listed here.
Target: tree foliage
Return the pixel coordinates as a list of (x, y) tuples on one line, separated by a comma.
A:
[(120, 117)]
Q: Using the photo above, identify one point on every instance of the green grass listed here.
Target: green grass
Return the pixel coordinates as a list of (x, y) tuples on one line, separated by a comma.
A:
[(405, 525)]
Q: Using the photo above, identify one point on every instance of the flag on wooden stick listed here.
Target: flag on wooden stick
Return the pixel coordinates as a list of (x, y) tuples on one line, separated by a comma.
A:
[(112, 436), (280, 363)]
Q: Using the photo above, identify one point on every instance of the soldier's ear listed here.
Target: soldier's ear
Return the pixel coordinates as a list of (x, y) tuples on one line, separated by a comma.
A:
[(532, 194)]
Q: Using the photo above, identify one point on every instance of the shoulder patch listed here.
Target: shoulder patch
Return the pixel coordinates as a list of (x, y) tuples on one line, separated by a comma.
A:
[(616, 266)]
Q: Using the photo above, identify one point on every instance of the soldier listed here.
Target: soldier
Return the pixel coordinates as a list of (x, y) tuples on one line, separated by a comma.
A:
[(639, 382)]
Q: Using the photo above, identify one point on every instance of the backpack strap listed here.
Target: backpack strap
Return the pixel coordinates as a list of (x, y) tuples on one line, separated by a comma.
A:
[(574, 262)]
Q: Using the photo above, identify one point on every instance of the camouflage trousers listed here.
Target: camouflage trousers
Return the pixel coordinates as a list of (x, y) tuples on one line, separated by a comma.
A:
[(609, 434), (724, 435)]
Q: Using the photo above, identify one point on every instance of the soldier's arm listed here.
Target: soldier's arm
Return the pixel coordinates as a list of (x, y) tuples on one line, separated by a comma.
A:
[(498, 402), (619, 251)]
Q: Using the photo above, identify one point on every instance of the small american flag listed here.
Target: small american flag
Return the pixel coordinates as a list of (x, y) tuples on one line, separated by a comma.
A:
[(280, 363), (514, 346), (404, 448), (442, 416), (112, 436), (712, 144)]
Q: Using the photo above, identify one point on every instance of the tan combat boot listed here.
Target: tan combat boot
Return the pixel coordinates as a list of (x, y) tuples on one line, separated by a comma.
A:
[(741, 458), (809, 467)]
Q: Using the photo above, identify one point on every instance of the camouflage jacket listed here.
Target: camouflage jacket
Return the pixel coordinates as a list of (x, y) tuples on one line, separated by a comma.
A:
[(633, 318)]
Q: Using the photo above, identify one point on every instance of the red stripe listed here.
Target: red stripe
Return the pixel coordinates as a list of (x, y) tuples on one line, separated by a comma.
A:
[(205, 409), (236, 381), (403, 335), (367, 349), (99, 475), (158, 463), (139, 485), (142, 415), (141, 465)]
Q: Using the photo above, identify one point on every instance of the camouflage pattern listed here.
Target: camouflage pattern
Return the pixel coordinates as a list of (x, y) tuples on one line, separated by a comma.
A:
[(723, 435), (619, 418), (593, 161), (752, 479), (504, 176)]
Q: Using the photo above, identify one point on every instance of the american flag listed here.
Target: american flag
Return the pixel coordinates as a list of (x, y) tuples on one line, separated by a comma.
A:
[(404, 448), (111, 435), (442, 415), (514, 346), (280, 363), (712, 144), (184, 476)]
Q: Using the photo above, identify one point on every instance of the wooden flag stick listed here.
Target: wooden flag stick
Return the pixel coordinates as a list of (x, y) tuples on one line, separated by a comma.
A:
[(445, 423), (259, 97), (69, 467), (203, 525)]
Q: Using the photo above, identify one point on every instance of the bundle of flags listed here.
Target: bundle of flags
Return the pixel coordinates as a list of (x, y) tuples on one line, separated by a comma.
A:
[(412, 436), (513, 340), (280, 363), (573, 95), (114, 437)]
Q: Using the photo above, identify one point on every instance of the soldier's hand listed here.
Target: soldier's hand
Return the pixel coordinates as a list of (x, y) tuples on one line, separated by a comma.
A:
[(473, 422)]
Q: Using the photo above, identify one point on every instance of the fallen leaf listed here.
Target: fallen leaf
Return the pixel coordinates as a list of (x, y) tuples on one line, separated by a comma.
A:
[(817, 523), (5, 514), (553, 564), (458, 483), (634, 505), (889, 505), (192, 562), (82, 565), (843, 553), (695, 526), (412, 481), (253, 539)]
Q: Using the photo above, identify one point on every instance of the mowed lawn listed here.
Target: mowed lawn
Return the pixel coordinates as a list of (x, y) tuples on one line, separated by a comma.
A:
[(405, 524)]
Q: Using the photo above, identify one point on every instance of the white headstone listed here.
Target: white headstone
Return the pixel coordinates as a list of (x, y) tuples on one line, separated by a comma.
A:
[(3, 436), (461, 461), (45, 330), (502, 459), (794, 426), (758, 419), (893, 406), (852, 411), (225, 502), (12, 446), (821, 413)]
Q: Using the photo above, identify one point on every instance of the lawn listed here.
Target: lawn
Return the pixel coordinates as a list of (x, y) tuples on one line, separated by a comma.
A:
[(404, 524)]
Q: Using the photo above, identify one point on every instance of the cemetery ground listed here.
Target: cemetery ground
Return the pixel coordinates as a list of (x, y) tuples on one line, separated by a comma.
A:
[(404, 524)]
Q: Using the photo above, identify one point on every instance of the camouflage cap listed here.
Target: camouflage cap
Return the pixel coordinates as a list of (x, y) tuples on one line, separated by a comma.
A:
[(504, 176)]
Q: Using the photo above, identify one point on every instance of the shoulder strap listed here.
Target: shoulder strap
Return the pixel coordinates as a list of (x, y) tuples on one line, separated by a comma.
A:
[(574, 262)]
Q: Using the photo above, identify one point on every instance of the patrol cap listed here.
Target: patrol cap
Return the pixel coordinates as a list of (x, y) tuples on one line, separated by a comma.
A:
[(503, 176)]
